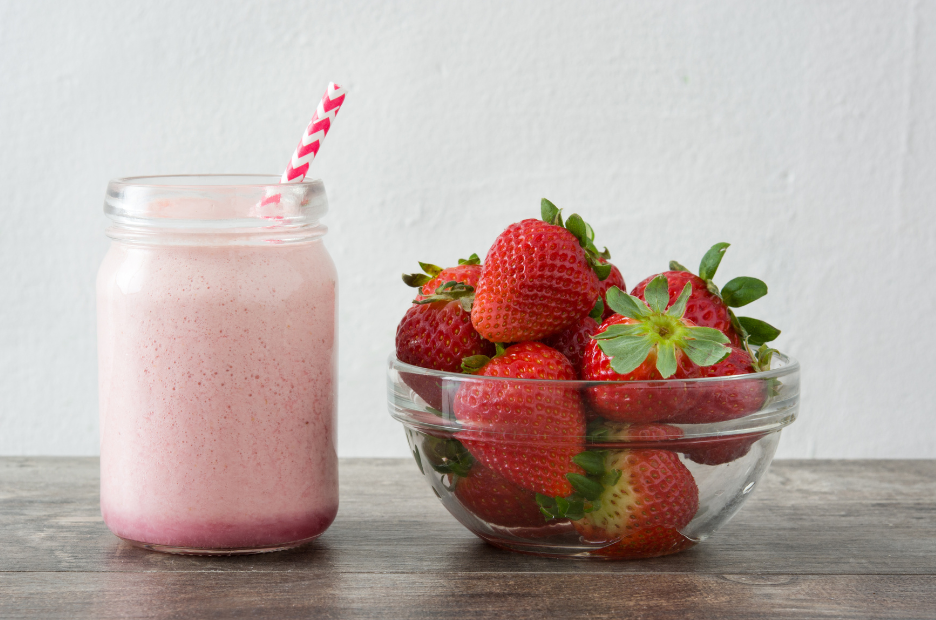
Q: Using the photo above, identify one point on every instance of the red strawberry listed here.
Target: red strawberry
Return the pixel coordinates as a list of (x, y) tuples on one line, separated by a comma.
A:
[(647, 343), (647, 542), (612, 433), (494, 499), (637, 403), (614, 279), (644, 498), (467, 272), (709, 307), (437, 336), (572, 341), (719, 450), (539, 278), (725, 400), (706, 451), (524, 431)]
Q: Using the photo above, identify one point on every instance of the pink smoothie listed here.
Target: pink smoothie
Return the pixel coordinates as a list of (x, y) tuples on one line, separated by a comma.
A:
[(217, 393)]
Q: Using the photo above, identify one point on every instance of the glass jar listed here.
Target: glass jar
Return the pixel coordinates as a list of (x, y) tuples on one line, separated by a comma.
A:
[(217, 357)]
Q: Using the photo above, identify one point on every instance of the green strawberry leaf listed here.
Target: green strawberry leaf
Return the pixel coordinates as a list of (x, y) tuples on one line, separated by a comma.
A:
[(576, 225), (473, 363), (547, 506), (418, 461), (626, 305), (712, 260), (674, 266), (471, 260), (416, 280), (626, 352), (451, 291), (610, 478), (587, 488), (657, 293), (432, 270), (602, 270), (549, 211), (575, 509), (708, 333), (447, 456), (589, 232), (592, 461), (596, 431), (679, 306), (614, 331), (598, 311), (666, 359), (562, 506), (742, 291), (705, 352), (763, 357), (759, 332)]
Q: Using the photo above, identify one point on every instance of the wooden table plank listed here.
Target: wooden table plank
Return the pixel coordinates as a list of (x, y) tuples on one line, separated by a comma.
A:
[(520, 596), (836, 539), (809, 517)]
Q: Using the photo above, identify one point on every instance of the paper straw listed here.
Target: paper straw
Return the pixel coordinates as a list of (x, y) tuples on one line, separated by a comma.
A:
[(318, 128)]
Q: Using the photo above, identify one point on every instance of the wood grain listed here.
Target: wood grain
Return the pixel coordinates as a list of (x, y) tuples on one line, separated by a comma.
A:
[(462, 595), (817, 539)]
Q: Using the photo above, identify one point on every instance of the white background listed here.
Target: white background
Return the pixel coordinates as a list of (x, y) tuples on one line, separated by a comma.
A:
[(802, 132)]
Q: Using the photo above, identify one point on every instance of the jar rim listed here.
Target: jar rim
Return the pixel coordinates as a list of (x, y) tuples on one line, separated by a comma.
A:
[(155, 180), (205, 202)]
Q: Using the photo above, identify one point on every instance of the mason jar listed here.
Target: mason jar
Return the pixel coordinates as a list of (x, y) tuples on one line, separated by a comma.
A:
[(217, 351)]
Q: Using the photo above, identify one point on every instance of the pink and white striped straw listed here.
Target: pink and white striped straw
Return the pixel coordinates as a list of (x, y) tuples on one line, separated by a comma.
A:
[(318, 128)]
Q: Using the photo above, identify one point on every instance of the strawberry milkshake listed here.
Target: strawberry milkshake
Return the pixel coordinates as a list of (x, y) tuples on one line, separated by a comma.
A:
[(217, 353)]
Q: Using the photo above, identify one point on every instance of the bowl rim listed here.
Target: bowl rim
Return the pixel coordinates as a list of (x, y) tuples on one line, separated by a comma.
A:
[(790, 366)]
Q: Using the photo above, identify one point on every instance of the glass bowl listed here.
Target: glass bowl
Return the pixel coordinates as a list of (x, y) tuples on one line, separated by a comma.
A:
[(685, 470)]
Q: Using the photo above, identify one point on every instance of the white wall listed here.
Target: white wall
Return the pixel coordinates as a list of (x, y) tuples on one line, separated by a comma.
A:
[(803, 132)]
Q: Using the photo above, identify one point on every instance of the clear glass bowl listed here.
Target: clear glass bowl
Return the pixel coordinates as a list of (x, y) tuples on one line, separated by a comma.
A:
[(725, 458)]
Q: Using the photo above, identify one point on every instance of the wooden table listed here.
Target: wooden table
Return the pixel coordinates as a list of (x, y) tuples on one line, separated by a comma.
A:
[(825, 539)]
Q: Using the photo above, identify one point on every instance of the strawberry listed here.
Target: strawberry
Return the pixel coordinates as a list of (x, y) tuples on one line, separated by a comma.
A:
[(636, 501), (437, 335), (647, 542), (709, 307), (706, 451), (612, 433), (719, 450), (539, 278), (614, 279), (725, 400), (524, 431), (647, 343), (641, 403), (572, 341), (494, 499), (467, 272)]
